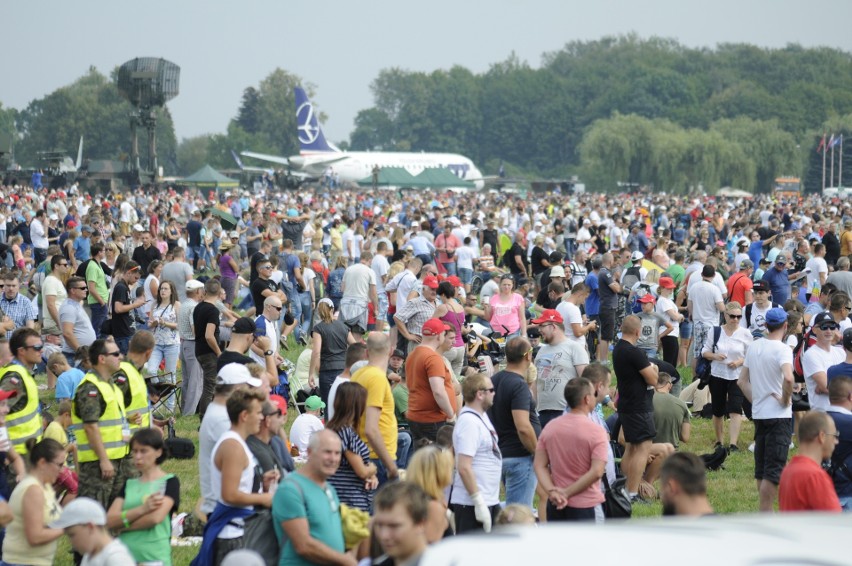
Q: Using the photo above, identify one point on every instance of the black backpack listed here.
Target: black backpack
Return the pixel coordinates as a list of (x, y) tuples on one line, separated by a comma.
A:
[(81, 269), (631, 277), (748, 309), (715, 460)]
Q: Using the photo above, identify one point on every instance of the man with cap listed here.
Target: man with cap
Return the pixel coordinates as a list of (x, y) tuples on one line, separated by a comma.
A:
[(83, 243), (244, 338), (780, 279), (819, 357), (411, 318), (101, 427), (766, 380), (704, 304), (431, 397), (754, 315), (24, 419), (84, 521), (307, 424), (122, 304), (651, 322), (546, 296), (396, 366), (558, 361), (740, 286), (215, 423)]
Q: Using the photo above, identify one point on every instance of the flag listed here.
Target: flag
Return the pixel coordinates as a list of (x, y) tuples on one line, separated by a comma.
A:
[(837, 141), (821, 145), (830, 142)]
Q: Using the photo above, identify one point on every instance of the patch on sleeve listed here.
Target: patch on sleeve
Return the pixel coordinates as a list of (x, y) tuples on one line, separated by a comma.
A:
[(93, 393)]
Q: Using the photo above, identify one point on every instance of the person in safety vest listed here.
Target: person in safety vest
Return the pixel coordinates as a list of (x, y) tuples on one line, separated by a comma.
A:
[(24, 418), (131, 383), (101, 427)]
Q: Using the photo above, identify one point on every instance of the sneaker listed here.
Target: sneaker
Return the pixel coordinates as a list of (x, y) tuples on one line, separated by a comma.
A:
[(638, 500), (751, 447), (733, 448), (717, 445), (284, 344)]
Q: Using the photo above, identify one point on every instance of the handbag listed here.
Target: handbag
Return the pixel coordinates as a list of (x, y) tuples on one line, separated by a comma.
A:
[(703, 365), (617, 504), (180, 448), (259, 535)]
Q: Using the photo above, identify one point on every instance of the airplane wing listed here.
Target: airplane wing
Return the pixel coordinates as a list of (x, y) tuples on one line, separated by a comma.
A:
[(299, 162), (265, 157)]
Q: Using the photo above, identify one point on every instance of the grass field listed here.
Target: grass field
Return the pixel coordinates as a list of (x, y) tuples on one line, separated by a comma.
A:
[(731, 490)]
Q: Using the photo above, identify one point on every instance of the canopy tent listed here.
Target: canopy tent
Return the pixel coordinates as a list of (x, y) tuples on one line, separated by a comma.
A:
[(391, 177), (441, 178), (207, 177), (734, 193)]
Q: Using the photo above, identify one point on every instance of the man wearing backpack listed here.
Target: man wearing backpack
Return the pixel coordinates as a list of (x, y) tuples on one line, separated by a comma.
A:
[(818, 358), (766, 380), (754, 315)]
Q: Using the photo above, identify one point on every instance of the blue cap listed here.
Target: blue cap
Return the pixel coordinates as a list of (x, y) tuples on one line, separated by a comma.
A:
[(776, 316), (292, 213)]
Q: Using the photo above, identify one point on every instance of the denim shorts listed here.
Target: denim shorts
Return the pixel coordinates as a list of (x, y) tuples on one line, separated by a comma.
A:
[(686, 329), (466, 275)]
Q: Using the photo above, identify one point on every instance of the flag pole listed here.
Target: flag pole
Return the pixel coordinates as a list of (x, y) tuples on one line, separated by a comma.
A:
[(840, 163), (831, 177), (823, 161)]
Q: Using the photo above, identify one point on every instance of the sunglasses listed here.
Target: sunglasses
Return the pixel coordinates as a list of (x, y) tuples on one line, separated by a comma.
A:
[(265, 267), (828, 327), (81, 288), (277, 308), (735, 316), (116, 353), (37, 347)]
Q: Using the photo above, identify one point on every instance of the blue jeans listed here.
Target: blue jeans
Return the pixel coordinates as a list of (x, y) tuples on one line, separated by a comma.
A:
[(450, 267), (307, 307), (123, 343), (846, 504), (296, 310), (466, 275), (99, 315), (403, 449), (519, 479)]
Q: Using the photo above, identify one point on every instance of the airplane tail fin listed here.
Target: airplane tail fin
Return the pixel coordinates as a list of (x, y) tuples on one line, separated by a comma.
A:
[(237, 159), (79, 154), (311, 138)]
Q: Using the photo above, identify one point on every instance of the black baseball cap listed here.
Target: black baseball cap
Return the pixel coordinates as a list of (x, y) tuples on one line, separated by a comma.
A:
[(398, 354), (244, 325), (847, 339)]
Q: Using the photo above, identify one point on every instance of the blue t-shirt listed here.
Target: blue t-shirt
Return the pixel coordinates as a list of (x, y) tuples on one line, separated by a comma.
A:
[(67, 382), (82, 248), (755, 252), (842, 369), (593, 302), (779, 285), (335, 283)]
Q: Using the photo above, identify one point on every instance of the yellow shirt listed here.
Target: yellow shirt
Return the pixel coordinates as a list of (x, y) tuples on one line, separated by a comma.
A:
[(16, 549), (379, 394), (55, 431)]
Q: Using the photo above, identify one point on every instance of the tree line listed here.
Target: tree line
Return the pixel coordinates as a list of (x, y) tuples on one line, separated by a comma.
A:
[(618, 109)]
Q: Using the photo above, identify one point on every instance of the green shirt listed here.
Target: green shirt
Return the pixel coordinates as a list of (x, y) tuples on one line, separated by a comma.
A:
[(298, 497), (400, 401), (677, 272), (152, 544), (94, 272), (669, 413)]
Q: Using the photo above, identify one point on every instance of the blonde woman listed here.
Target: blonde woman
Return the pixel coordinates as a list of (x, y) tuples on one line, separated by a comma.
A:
[(330, 339), (432, 468)]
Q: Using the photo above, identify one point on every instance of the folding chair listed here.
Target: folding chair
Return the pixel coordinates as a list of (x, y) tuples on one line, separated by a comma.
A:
[(164, 391), (299, 392)]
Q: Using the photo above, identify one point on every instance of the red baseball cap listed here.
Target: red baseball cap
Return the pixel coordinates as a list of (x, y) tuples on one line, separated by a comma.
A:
[(279, 402), (430, 281), (667, 283), (549, 315), (454, 281), (647, 298), (434, 326), (7, 394)]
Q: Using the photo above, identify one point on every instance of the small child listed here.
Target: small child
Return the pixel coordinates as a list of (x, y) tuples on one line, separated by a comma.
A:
[(57, 428), (68, 378)]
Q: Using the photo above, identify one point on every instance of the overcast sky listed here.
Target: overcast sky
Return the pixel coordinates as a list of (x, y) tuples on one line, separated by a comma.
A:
[(224, 47)]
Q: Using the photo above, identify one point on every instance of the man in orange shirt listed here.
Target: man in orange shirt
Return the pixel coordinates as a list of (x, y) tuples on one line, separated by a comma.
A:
[(431, 398), (804, 485), (740, 284)]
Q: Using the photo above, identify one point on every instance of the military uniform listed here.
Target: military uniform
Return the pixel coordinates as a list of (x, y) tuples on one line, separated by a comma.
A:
[(24, 418), (135, 394), (102, 402)]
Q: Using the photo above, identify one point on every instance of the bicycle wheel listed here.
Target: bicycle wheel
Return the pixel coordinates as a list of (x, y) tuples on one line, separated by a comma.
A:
[(476, 285)]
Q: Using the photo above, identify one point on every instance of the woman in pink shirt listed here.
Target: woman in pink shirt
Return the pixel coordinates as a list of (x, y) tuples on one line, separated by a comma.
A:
[(505, 311)]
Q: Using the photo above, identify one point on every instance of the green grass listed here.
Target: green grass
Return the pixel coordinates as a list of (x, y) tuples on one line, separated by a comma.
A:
[(730, 490)]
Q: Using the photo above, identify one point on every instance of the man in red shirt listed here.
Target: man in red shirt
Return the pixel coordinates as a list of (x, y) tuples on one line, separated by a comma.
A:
[(446, 245), (431, 398), (740, 285), (804, 485)]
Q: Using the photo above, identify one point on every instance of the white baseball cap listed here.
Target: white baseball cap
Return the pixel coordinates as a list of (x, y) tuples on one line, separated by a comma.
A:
[(236, 374), (81, 511), (193, 284)]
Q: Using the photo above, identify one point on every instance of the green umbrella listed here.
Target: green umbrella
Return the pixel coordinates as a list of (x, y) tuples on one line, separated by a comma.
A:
[(227, 220)]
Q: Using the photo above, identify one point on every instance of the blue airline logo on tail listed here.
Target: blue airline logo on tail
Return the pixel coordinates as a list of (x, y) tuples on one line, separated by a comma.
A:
[(311, 137)]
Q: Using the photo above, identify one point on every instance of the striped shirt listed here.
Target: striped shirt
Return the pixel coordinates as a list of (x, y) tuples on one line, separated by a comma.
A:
[(415, 313), (349, 487), (184, 320)]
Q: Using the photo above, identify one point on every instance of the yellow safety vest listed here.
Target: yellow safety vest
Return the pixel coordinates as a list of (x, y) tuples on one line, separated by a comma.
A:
[(138, 397), (111, 423), (26, 423)]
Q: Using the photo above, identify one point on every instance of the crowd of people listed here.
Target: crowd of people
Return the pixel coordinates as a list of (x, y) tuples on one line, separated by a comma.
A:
[(452, 345)]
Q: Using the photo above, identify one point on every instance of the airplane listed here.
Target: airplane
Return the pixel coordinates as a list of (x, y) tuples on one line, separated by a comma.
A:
[(317, 155), (288, 178)]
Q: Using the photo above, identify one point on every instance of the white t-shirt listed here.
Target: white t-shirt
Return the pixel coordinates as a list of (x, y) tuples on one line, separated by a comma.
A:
[(816, 360), (556, 367), (464, 257), (704, 296), (717, 281), (817, 265), (380, 267), (474, 436), (734, 347), (51, 286), (765, 359), (665, 304), (113, 554), (357, 280), (332, 393), (303, 427), (571, 315), (757, 318)]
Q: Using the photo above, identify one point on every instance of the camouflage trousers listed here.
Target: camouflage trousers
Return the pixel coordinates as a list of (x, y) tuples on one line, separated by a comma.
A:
[(92, 484)]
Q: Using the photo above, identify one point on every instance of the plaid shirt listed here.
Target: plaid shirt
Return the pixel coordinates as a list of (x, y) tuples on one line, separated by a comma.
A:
[(415, 313), (20, 309)]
